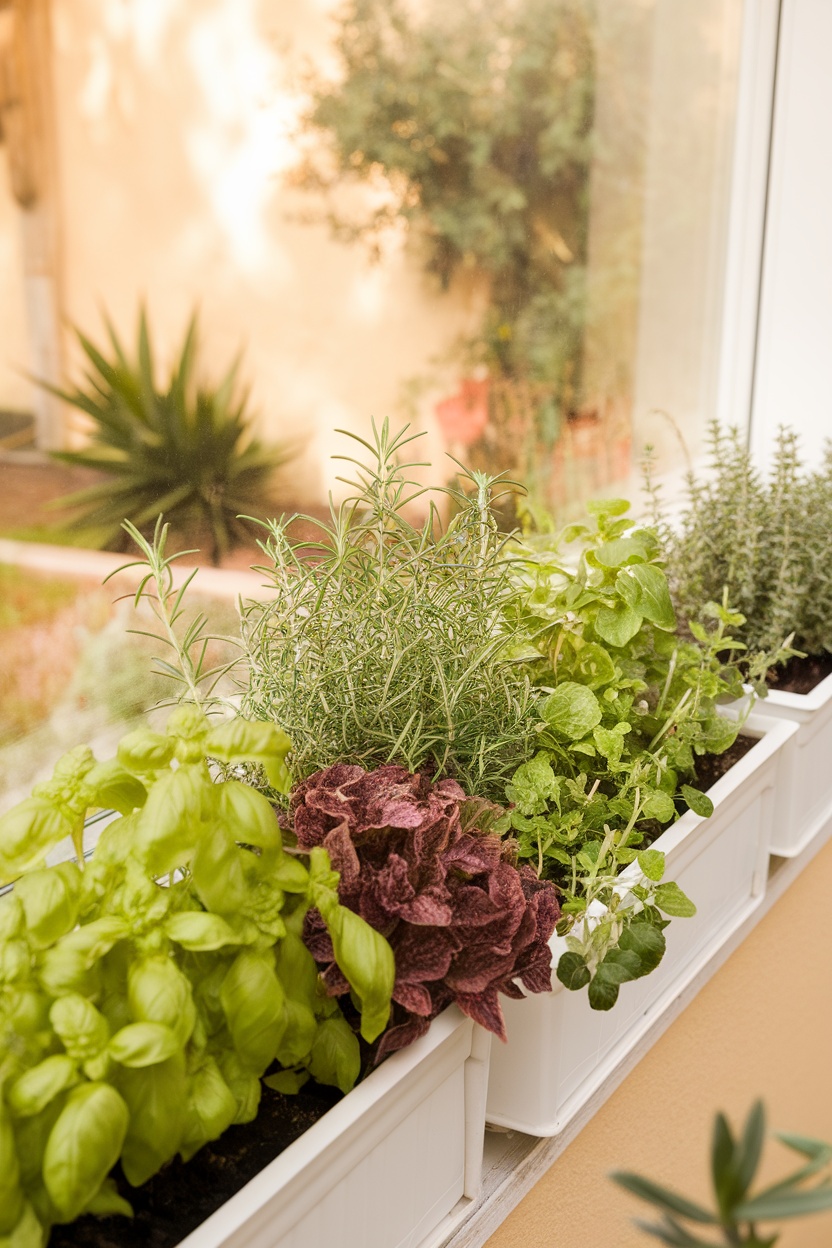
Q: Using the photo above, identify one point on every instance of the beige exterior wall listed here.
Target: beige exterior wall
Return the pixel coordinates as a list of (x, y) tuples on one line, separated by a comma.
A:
[(174, 123), (760, 1027), (173, 133), (15, 359)]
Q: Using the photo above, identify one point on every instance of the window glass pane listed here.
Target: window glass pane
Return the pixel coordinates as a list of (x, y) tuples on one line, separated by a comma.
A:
[(502, 220)]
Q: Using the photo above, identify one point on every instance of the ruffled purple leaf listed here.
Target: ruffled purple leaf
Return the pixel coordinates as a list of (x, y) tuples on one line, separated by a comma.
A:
[(464, 924)]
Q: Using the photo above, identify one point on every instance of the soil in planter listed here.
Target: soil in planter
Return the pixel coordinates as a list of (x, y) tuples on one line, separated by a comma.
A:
[(711, 767), (801, 675), (175, 1201)]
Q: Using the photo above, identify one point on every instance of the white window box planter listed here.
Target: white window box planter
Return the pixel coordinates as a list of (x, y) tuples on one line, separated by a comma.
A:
[(559, 1051), (805, 803), (395, 1164)]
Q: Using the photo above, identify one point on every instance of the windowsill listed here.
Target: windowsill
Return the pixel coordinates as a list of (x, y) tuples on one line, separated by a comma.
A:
[(513, 1162)]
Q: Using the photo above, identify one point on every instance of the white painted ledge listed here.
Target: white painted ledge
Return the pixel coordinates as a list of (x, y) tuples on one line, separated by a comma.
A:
[(514, 1162)]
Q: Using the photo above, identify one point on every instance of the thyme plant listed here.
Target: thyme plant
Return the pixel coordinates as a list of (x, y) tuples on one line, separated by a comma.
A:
[(767, 540), (387, 640)]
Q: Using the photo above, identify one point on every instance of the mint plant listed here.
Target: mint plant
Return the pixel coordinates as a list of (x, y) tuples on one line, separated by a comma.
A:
[(146, 989), (627, 707), (735, 1215)]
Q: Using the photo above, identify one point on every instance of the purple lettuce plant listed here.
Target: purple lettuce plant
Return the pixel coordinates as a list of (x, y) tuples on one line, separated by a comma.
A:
[(463, 922)]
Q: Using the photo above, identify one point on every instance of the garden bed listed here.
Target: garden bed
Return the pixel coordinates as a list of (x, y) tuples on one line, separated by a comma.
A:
[(801, 675), (310, 1171)]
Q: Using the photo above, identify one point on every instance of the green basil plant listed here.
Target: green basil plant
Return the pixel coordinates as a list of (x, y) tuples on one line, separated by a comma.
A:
[(146, 989), (627, 706)]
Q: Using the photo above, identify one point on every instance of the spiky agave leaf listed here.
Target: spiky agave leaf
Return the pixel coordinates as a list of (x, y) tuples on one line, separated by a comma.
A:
[(182, 449)]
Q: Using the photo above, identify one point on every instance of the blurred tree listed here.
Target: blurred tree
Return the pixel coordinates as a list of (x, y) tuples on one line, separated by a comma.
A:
[(474, 122)]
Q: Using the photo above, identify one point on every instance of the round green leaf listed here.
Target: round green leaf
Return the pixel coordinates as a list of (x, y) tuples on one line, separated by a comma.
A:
[(571, 711), (659, 805), (593, 666), (603, 993), (643, 587), (699, 802), (621, 551), (573, 971), (617, 625), (651, 862), (647, 942), (671, 900)]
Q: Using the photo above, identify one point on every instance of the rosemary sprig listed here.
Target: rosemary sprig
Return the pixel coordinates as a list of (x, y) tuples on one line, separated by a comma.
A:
[(189, 644)]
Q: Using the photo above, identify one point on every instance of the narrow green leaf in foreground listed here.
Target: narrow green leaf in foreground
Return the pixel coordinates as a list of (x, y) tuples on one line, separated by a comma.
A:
[(663, 1198)]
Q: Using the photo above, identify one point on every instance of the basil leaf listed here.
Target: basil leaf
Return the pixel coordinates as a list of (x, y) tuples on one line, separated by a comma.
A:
[(35, 1088), (11, 1193), (211, 1108), (156, 1097), (83, 1146), (143, 1044), (252, 1001)]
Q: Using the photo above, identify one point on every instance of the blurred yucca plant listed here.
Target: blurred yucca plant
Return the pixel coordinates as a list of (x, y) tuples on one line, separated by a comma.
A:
[(183, 448)]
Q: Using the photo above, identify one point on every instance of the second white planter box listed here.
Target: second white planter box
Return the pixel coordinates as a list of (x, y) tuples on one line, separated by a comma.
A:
[(805, 802), (395, 1164), (559, 1051)]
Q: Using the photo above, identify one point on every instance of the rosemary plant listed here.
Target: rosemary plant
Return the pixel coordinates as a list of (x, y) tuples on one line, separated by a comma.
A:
[(187, 642), (387, 641), (768, 541)]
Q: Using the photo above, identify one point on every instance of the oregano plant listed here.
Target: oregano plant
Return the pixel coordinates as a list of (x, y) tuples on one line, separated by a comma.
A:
[(627, 707)]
